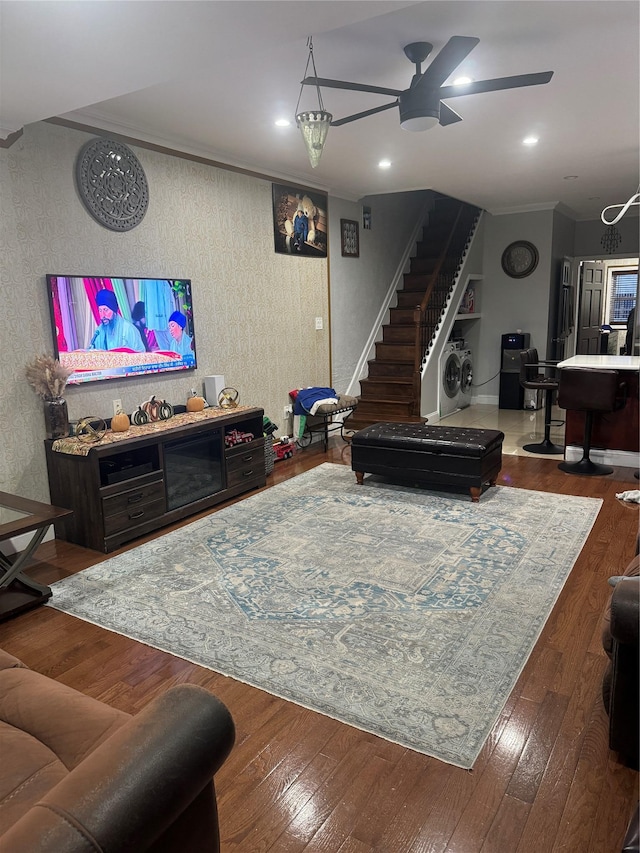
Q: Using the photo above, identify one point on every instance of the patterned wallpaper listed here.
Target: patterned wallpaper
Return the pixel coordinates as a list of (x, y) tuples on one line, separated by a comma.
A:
[(254, 310)]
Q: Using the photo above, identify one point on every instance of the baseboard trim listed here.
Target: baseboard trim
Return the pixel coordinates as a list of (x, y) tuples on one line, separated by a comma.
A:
[(623, 458)]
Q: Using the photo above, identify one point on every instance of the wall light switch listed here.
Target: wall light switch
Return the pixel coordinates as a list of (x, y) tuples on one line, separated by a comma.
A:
[(117, 406), (318, 323)]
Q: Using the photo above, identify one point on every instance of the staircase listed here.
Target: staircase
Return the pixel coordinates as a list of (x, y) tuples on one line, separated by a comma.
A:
[(391, 391)]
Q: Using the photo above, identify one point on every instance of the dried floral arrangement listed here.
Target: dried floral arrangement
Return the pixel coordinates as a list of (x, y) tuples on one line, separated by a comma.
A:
[(47, 376)]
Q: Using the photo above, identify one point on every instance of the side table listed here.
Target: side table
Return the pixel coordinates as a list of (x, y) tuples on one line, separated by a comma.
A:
[(18, 592)]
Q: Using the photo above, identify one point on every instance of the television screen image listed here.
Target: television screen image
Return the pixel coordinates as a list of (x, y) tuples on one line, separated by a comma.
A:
[(114, 328)]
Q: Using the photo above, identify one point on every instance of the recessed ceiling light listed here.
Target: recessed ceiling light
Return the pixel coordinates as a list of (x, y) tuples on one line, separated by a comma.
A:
[(384, 164), (462, 81), (570, 178), (530, 140), (282, 122)]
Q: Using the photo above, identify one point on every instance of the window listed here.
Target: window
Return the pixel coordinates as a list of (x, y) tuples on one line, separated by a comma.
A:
[(622, 295)]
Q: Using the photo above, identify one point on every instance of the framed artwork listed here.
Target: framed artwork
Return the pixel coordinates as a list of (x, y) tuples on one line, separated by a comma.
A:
[(366, 218), (300, 221), (349, 238)]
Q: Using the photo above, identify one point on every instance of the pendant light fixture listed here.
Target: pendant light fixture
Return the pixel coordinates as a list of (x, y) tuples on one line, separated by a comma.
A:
[(314, 124), (610, 239), (621, 209)]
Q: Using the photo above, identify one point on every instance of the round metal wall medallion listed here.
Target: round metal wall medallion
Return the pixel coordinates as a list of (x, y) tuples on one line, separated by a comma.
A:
[(112, 184), (519, 259)]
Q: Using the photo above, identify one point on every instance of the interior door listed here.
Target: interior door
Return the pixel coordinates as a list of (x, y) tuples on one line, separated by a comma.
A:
[(591, 307), (563, 319)]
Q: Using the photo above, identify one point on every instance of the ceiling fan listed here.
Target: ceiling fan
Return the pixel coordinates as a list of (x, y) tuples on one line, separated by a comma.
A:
[(421, 105)]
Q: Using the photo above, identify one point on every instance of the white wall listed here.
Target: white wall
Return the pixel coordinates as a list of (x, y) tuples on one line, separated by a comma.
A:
[(509, 304)]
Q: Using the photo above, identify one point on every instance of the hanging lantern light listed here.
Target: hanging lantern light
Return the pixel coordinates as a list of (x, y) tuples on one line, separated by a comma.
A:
[(314, 127), (314, 124)]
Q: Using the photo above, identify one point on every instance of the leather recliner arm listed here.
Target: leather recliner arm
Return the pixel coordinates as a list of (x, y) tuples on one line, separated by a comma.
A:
[(625, 606), (623, 704), (136, 784)]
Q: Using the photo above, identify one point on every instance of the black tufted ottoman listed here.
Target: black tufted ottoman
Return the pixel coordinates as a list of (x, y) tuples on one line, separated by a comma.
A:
[(429, 455)]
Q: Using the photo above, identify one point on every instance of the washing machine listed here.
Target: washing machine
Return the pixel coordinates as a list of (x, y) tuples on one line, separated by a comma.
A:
[(450, 367), (466, 378)]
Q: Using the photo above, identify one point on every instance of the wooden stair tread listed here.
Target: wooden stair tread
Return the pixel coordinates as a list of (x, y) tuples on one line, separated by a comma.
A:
[(389, 380)]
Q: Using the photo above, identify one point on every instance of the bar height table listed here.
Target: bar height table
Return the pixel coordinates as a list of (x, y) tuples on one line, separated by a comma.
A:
[(18, 516), (616, 434)]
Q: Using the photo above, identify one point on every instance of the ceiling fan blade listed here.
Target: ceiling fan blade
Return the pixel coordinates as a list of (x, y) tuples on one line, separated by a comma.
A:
[(497, 84), (354, 87), (448, 116), (451, 55), (366, 113)]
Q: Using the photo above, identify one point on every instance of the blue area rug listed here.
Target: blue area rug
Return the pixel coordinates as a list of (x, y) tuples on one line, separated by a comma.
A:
[(404, 612)]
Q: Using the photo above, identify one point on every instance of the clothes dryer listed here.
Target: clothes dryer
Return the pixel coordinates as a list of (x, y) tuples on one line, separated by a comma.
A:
[(466, 378), (450, 367)]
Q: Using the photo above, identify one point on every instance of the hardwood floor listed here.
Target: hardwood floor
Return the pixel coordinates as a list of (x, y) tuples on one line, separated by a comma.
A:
[(296, 781)]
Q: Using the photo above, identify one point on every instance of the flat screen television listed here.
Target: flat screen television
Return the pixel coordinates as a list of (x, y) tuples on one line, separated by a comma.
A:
[(114, 328)]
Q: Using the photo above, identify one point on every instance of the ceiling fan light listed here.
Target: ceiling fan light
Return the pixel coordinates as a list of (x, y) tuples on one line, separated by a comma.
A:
[(314, 126), (418, 123), (419, 110)]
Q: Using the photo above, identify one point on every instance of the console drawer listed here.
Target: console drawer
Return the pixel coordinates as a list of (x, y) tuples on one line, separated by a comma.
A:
[(131, 498), (244, 452), (245, 462), (250, 476), (133, 507), (136, 514)]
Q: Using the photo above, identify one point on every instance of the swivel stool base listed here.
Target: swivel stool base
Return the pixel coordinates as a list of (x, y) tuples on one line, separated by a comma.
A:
[(586, 468)]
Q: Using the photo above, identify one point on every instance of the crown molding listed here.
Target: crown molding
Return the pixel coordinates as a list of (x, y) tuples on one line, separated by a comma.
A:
[(7, 138), (93, 122), (526, 208)]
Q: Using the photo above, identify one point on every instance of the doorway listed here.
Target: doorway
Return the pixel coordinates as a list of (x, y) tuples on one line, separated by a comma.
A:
[(607, 292)]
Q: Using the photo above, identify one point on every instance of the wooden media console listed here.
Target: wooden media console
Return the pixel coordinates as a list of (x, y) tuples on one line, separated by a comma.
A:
[(129, 484)]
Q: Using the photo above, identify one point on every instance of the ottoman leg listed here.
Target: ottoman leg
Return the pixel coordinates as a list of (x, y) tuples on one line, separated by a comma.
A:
[(475, 493), (359, 477)]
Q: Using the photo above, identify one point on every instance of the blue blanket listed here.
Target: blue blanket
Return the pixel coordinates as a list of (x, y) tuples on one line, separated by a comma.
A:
[(308, 396)]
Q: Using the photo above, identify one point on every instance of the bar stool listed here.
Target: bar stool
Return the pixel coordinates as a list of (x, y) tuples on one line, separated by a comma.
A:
[(531, 377), (587, 391)]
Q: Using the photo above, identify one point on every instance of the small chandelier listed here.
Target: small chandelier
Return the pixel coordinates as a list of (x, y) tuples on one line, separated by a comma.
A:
[(610, 240), (314, 124)]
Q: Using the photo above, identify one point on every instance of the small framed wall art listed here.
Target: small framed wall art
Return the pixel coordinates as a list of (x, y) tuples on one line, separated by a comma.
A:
[(349, 238), (299, 221)]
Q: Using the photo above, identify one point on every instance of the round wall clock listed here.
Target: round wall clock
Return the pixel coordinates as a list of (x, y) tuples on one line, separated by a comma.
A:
[(112, 184), (519, 259)]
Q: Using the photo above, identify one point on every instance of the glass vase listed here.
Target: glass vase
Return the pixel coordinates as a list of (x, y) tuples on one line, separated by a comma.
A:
[(56, 418)]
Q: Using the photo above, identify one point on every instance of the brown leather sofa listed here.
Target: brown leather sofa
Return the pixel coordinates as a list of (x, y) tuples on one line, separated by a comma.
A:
[(78, 775), (620, 631), (620, 636)]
